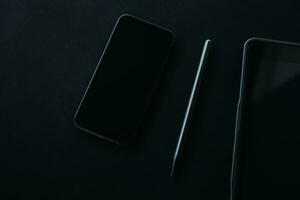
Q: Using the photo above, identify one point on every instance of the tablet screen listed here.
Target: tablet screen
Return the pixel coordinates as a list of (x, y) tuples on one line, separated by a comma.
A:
[(269, 137)]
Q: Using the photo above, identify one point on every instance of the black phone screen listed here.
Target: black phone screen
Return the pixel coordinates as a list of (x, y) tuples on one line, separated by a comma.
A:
[(269, 137), (119, 93)]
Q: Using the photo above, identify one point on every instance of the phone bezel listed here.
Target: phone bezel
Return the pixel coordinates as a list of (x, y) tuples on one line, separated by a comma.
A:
[(77, 124)]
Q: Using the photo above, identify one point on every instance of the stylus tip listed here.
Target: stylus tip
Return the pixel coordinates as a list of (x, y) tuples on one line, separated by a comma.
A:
[(173, 167)]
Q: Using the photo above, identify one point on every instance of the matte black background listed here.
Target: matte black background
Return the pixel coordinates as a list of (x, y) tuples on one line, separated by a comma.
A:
[(49, 50)]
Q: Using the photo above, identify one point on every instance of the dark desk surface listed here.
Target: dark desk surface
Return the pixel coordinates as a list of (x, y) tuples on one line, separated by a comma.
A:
[(49, 50)]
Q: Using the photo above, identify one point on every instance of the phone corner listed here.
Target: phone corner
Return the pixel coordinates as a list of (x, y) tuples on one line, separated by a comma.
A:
[(75, 122), (249, 42), (124, 16)]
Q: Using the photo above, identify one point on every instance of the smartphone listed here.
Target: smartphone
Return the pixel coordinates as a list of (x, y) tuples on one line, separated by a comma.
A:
[(116, 100), (266, 162)]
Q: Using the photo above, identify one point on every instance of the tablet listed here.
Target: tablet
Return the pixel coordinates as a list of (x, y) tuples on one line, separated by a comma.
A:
[(119, 93), (266, 161)]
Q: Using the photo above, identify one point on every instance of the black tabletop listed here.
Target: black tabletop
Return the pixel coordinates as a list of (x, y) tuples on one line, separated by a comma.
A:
[(49, 50)]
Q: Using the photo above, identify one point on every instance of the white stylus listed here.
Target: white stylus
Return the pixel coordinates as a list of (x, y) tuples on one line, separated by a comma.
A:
[(192, 100)]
